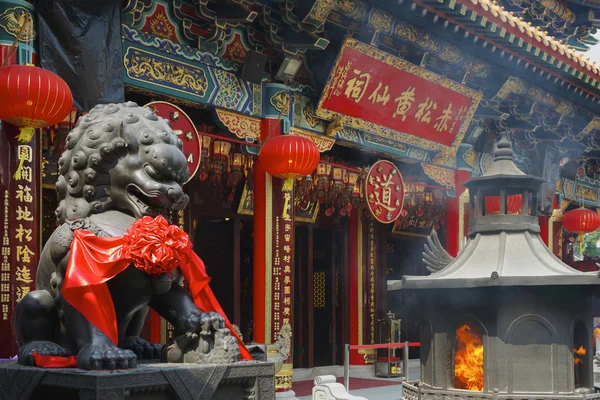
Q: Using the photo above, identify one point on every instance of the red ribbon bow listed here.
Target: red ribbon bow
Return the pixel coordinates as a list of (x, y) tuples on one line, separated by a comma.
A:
[(153, 246)]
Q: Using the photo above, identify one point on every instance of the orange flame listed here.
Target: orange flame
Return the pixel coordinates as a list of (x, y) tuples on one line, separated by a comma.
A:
[(468, 360), (596, 333), (580, 352)]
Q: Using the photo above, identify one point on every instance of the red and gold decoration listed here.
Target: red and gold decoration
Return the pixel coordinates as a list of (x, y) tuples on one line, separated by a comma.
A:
[(514, 204), (283, 261), (289, 157), (21, 230), (151, 245), (581, 221), (424, 210), (384, 188), (373, 90), (186, 131), (218, 166), (371, 280), (32, 98)]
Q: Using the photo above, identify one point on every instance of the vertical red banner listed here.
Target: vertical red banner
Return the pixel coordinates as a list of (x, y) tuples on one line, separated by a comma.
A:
[(21, 191), (372, 279), (283, 258)]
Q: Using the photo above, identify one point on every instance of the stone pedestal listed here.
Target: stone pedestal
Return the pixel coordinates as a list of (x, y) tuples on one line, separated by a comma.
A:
[(242, 380)]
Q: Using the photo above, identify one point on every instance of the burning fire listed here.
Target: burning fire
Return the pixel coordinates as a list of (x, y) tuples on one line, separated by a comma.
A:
[(580, 352), (468, 361)]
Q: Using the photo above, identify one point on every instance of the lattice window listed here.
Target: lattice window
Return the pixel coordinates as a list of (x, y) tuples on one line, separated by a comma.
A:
[(319, 289)]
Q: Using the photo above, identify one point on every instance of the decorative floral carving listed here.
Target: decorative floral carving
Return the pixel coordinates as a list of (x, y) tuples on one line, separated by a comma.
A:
[(381, 21), (242, 126), (442, 176), (284, 340), (230, 92), (323, 143)]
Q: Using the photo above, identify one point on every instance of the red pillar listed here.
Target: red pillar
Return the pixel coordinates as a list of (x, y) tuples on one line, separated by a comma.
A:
[(544, 229), (269, 128), (356, 286), (452, 220)]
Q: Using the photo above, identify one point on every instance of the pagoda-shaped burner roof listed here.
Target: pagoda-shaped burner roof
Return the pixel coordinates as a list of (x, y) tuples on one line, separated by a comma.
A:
[(503, 250)]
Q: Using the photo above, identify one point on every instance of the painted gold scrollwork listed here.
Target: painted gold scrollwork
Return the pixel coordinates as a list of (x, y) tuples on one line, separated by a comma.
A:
[(144, 66), (320, 10), (381, 21), (469, 157), (309, 115), (323, 143), (12, 19), (281, 102), (356, 9)]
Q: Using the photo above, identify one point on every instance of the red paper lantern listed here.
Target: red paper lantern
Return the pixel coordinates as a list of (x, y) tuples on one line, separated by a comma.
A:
[(33, 98), (581, 220), (289, 157), (492, 204)]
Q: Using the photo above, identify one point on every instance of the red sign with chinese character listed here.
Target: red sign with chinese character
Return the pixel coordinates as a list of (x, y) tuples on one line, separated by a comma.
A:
[(283, 260), (372, 89), (185, 130), (20, 188), (385, 191)]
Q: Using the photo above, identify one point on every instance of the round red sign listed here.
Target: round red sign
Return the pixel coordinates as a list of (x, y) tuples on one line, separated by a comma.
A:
[(384, 188), (184, 128)]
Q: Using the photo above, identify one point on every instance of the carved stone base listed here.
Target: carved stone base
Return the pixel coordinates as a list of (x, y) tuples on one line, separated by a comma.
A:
[(243, 380)]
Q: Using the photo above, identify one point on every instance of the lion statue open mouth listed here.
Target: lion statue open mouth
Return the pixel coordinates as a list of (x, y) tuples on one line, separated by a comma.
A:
[(122, 163)]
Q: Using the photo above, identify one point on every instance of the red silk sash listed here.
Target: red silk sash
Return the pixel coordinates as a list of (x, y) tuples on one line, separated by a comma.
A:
[(152, 245)]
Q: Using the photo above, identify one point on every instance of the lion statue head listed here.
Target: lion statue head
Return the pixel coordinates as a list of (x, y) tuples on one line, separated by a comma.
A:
[(121, 157)]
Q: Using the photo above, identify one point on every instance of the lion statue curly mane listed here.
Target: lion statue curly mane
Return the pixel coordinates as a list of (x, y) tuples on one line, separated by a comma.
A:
[(126, 135), (121, 163)]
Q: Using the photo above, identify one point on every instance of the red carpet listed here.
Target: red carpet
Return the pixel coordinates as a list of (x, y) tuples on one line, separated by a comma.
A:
[(304, 388)]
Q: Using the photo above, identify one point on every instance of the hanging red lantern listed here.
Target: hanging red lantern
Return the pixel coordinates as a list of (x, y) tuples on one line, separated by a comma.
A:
[(289, 157), (581, 221), (515, 203), (33, 98)]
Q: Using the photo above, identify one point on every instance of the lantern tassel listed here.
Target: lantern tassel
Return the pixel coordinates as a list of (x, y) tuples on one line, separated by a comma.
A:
[(25, 134), (581, 237), (288, 185)]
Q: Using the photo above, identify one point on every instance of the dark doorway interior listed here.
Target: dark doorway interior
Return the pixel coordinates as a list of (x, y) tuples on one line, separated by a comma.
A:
[(213, 242), (320, 315)]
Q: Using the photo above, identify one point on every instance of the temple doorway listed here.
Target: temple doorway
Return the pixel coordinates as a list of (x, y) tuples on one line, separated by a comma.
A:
[(225, 244), (321, 307)]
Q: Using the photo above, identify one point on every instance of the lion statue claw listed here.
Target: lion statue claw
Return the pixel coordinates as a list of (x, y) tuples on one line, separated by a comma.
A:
[(122, 162)]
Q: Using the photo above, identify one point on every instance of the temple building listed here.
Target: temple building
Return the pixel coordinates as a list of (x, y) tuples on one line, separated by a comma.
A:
[(404, 99)]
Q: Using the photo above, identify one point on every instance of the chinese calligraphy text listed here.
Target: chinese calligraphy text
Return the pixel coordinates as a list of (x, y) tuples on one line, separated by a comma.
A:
[(385, 191)]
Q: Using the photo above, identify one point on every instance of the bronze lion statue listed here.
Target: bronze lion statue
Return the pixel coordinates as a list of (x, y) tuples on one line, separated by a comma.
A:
[(122, 163)]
